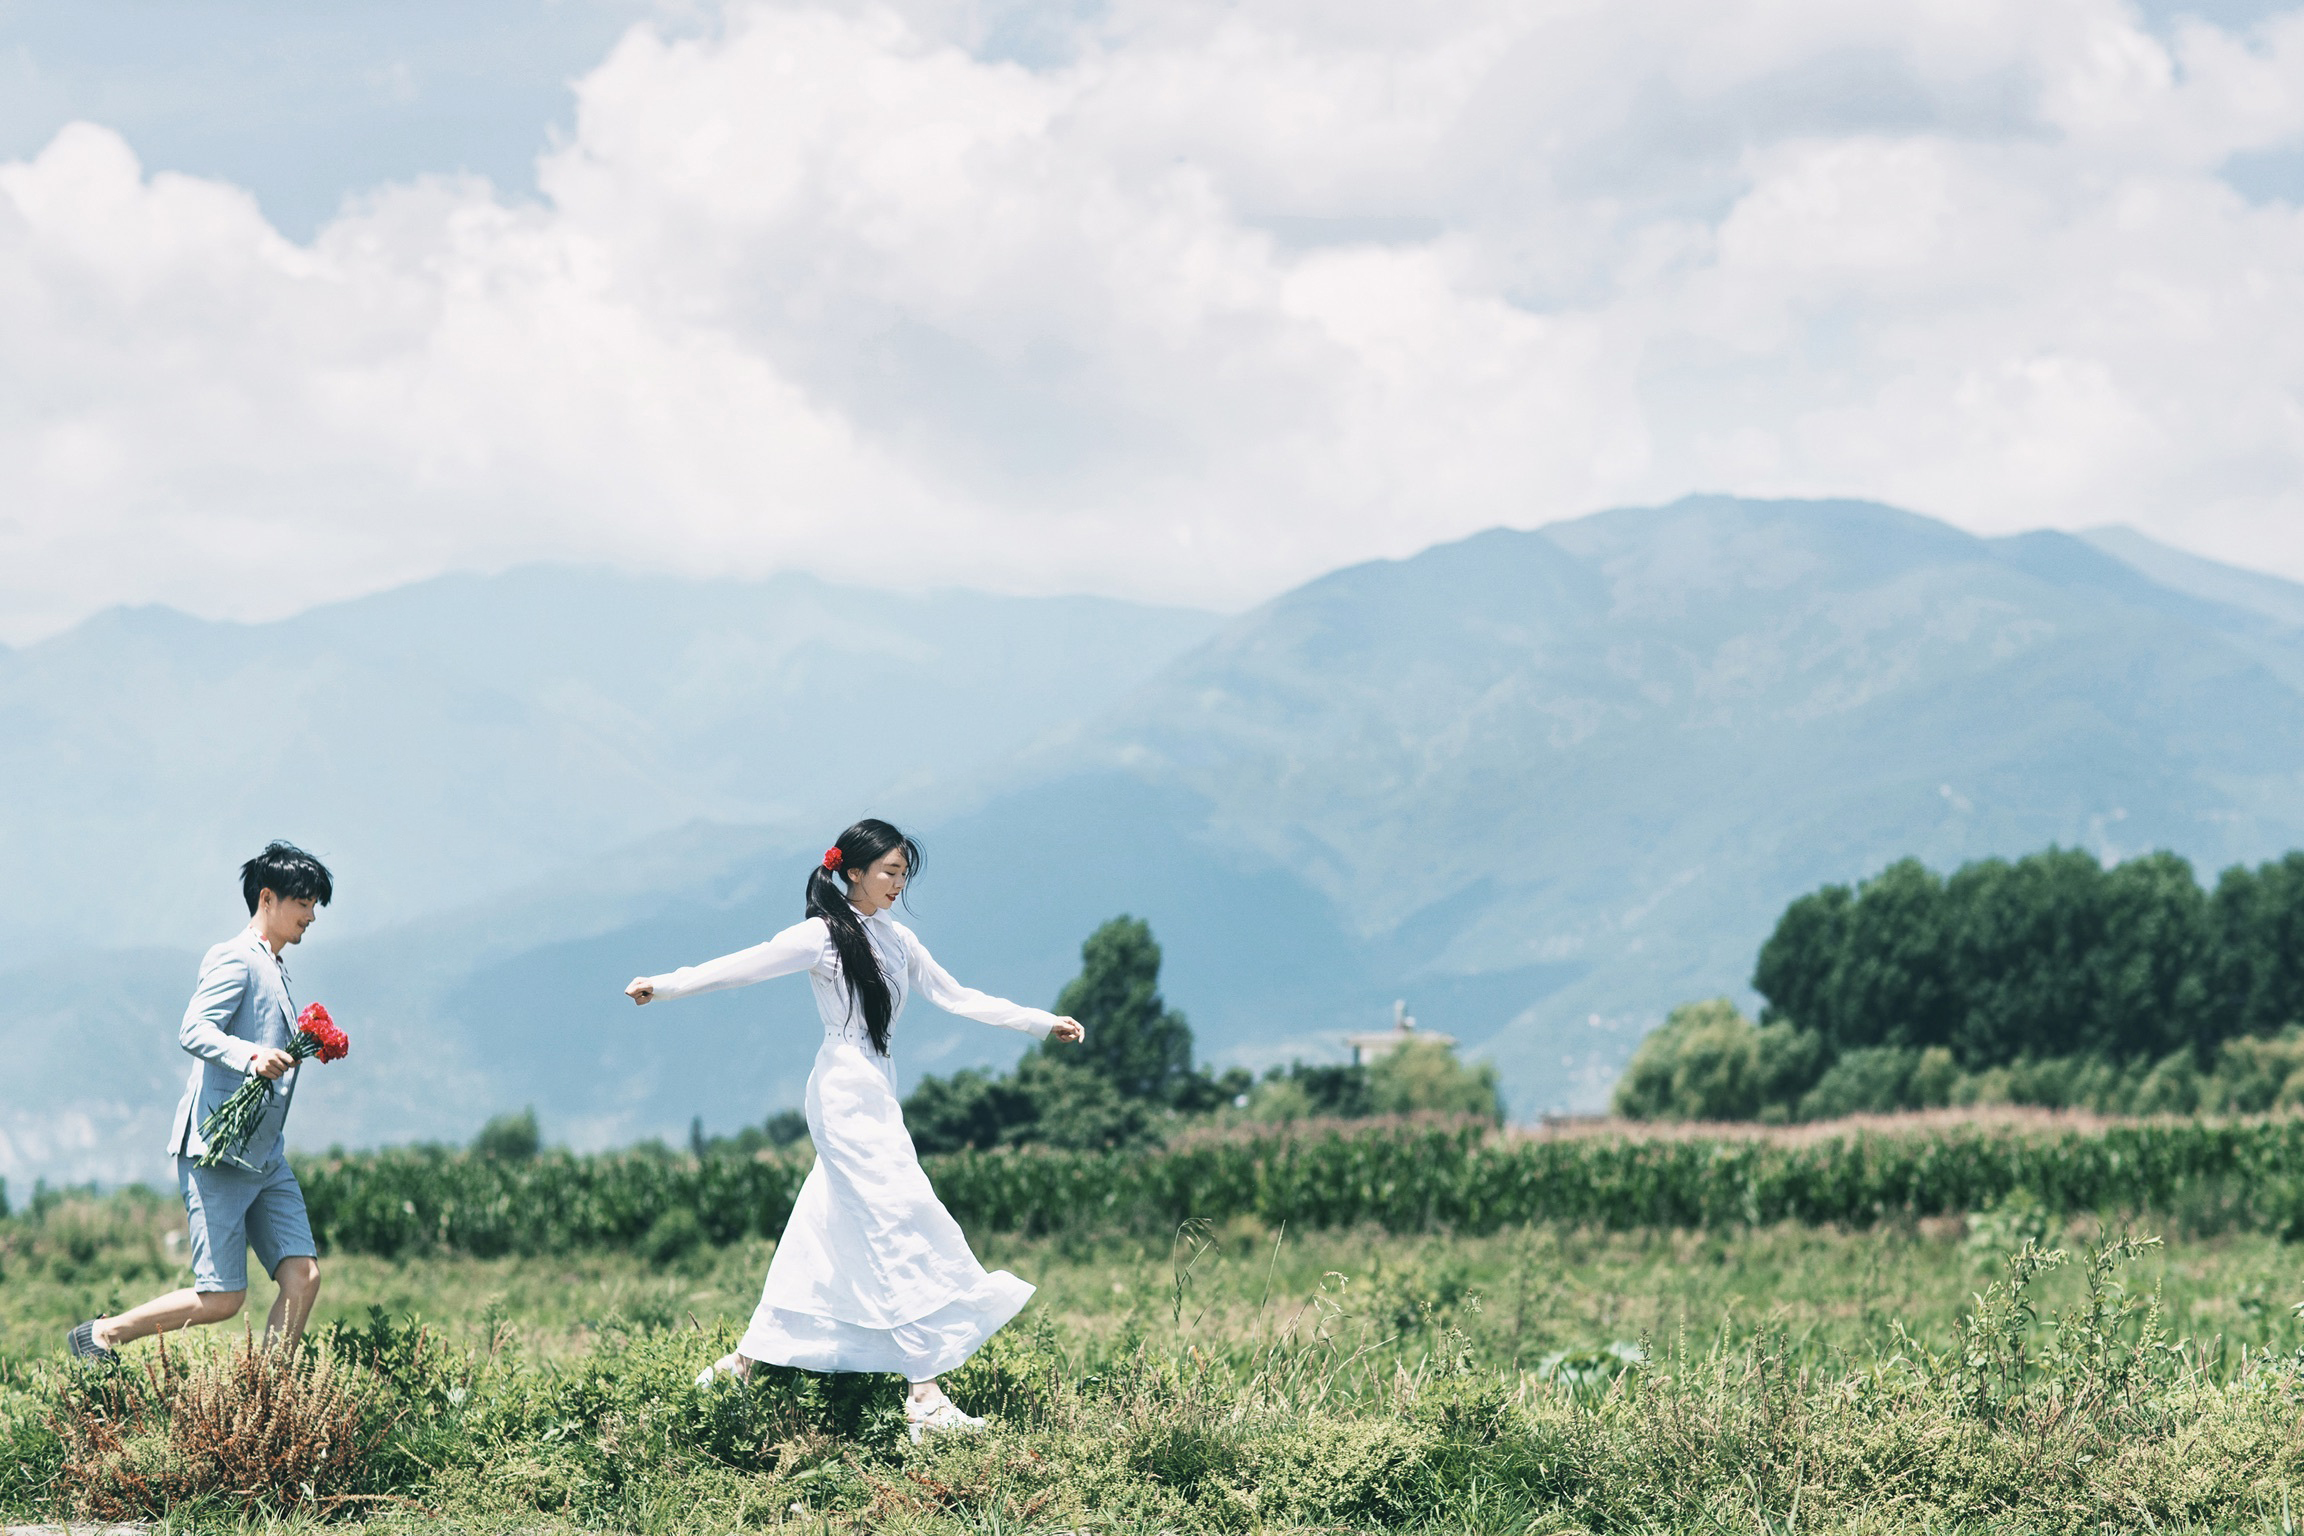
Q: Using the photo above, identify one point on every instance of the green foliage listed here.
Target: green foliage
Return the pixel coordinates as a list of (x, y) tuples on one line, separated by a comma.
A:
[(412, 1200), (510, 1138), (2050, 956), (1134, 1040), (1288, 1397), (1424, 1077), (1709, 1062), (781, 1131), (1880, 1079), (2048, 980), (2260, 1073), (1312, 1090), (31, 1452), (2007, 1226), (971, 1108), (1421, 1077), (79, 1237), (1729, 1069), (672, 1237), (1046, 1101), (1121, 1087), (1399, 1176), (1588, 1373)]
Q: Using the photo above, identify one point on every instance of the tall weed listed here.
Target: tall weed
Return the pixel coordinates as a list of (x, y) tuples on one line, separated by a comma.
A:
[(259, 1430)]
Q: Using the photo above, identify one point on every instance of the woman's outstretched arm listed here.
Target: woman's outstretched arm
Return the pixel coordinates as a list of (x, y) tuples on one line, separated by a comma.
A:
[(797, 948), (936, 984)]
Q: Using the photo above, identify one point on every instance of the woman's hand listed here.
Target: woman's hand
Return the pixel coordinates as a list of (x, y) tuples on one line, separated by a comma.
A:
[(1068, 1031), (641, 990)]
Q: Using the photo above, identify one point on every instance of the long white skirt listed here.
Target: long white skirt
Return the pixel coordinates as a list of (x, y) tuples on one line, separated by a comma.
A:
[(872, 1273)]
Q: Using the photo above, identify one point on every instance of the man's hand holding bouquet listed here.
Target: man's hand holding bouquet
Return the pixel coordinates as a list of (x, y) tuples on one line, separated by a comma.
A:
[(228, 1127)]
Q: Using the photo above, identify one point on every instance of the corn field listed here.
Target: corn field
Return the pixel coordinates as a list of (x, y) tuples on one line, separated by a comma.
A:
[(1404, 1177)]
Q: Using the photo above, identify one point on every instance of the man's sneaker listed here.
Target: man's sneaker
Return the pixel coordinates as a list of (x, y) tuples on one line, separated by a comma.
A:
[(937, 1415), (82, 1342)]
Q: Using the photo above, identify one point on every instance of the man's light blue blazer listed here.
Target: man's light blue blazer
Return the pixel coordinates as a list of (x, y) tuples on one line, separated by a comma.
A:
[(240, 1005)]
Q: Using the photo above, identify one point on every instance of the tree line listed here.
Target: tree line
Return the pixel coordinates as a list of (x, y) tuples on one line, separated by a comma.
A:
[(2048, 979), (1132, 1082)]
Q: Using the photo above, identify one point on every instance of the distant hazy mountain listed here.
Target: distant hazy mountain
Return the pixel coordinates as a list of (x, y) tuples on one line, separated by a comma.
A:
[(2279, 603), (1542, 784), (465, 736)]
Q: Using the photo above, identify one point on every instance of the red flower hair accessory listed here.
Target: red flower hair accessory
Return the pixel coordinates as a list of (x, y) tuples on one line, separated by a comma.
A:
[(832, 857)]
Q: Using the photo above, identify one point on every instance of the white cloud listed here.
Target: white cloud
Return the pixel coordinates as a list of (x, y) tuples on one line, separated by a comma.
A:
[(1222, 296)]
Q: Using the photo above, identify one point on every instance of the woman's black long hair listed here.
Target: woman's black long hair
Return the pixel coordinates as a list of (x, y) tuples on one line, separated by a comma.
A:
[(860, 847)]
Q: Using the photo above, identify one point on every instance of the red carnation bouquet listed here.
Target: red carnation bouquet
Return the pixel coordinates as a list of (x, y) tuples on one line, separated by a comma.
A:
[(231, 1123)]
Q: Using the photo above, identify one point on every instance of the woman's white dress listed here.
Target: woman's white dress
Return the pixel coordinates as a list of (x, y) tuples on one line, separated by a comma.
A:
[(872, 1273)]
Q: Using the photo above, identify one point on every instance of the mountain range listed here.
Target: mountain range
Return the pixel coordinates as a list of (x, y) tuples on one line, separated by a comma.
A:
[(1543, 784)]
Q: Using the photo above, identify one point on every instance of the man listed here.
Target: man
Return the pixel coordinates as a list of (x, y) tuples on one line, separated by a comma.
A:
[(241, 1020)]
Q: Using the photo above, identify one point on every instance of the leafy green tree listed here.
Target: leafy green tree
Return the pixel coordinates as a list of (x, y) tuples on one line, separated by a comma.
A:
[(2148, 976), (2256, 983), (1422, 1076), (1882, 1079), (2174, 1085), (1425, 1076), (1800, 960), (2045, 958), (1075, 1107), (1306, 1090), (1895, 984), (2260, 1073), (1709, 1062), (1044, 1102), (2022, 933), (1133, 1069), (971, 1108), (1135, 1041), (510, 1138)]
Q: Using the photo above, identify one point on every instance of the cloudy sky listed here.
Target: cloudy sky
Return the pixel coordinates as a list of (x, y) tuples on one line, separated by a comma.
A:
[(1158, 298)]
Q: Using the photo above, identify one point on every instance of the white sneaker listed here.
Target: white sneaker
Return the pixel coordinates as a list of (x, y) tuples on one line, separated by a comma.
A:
[(713, 1374), (938, 1414)]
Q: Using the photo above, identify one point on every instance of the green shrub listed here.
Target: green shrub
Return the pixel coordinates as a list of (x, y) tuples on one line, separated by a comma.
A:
[(31, 1453), (1312, 1090), (509, 1138), (1117, 1088), (672, 1237), (1424, 1077), (1709, 1062), (1880, 1080), (1047, 1101), (2258, 1073)]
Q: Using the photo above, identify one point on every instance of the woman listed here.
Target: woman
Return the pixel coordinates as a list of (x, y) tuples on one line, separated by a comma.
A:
[(872, 1273)]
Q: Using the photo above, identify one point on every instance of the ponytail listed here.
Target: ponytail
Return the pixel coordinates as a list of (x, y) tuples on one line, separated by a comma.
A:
[(859, 848)]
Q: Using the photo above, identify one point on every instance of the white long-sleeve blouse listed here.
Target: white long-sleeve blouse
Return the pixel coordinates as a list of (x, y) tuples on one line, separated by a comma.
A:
[(904, 961)]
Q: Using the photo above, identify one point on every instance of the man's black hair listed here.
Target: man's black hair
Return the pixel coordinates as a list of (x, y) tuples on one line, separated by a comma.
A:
[(288, 872)]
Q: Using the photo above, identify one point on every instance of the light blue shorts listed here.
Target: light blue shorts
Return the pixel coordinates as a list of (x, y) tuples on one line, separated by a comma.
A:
[(233, 1210)]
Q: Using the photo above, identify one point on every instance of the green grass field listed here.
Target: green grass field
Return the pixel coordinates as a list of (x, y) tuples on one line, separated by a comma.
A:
[(1242, 1378)]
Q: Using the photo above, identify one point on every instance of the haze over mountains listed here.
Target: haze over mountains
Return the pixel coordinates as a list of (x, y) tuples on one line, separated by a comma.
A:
[(1543, 784)]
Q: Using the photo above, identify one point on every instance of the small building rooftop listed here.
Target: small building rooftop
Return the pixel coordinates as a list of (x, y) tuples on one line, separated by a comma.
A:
[(1373, 1045)]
